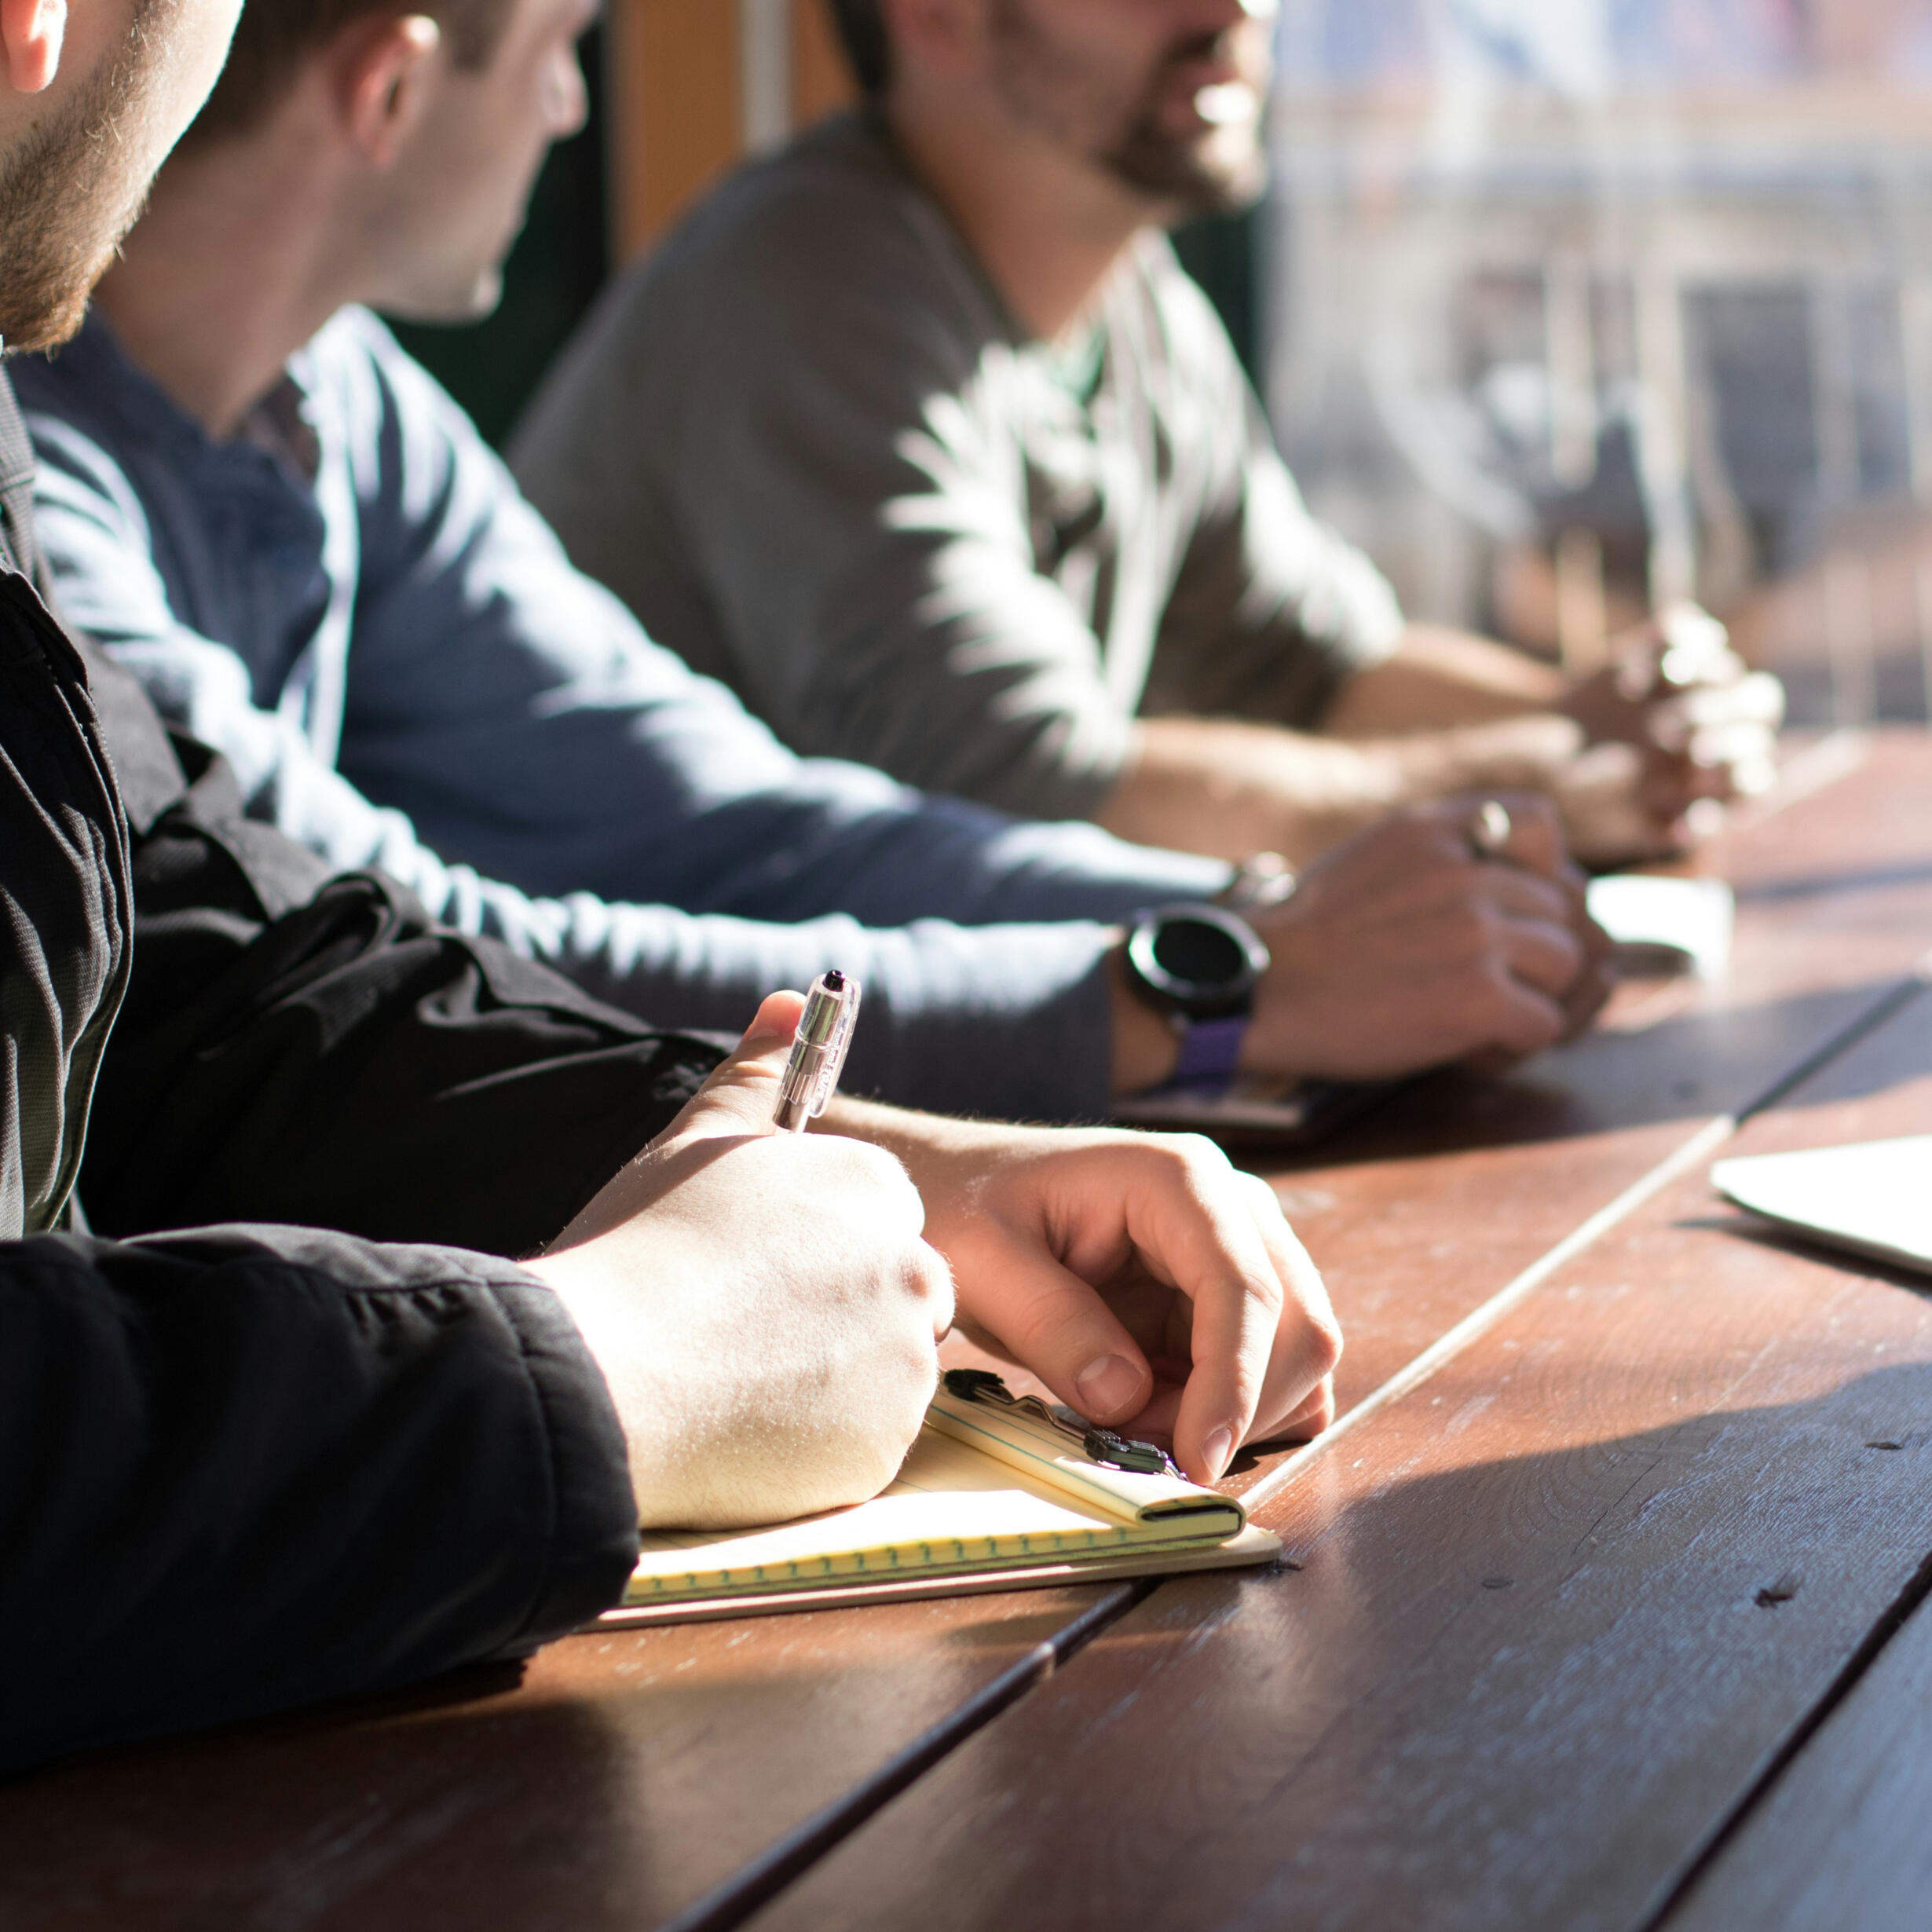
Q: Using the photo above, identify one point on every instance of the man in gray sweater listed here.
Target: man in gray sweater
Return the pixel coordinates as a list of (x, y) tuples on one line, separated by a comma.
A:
[(918, 436)]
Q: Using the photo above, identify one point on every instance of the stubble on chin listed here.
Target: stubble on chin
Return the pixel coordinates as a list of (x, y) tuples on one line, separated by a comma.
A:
[(1215, 173), (1212, 170), (70, 193), (1047, 87)]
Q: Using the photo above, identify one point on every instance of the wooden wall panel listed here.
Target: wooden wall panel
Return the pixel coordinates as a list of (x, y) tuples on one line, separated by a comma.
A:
[(821, 80), (676, 117), (677, 101)]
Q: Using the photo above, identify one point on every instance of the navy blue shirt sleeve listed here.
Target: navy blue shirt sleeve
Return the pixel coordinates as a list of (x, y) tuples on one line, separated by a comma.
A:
[(549, 777)]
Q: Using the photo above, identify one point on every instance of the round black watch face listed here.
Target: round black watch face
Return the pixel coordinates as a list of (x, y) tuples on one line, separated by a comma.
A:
[(1197, 954), (1197, 959)]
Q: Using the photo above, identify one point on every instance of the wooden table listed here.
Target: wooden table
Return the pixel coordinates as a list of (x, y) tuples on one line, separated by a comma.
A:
[(1603, 1607)]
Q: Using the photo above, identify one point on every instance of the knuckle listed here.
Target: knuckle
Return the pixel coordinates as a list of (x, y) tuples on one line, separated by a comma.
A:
[(872, 1173), (1263, 1197), (1325, 1342), (930, 1285), (1201, 1159), (1268, 1292), (1191, 1162), (1469, 930)]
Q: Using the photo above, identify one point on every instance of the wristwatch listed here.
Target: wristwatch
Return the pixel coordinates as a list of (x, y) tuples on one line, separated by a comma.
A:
[(1199, 965)]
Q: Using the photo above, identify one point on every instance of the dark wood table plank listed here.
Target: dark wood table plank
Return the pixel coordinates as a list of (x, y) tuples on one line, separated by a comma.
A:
[(1557, 1611), (1841, 1844), (619, 1780)]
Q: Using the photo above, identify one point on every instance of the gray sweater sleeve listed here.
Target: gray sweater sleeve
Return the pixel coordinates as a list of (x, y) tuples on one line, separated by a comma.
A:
[(1271, 610), (786, 446)]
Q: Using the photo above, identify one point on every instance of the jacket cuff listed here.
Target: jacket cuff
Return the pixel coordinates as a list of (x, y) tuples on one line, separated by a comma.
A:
[(594, 1526)]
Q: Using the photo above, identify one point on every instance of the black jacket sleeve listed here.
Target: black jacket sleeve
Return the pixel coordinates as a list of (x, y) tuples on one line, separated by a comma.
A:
[(64, 911), (247, 1468), (244, 1467), (300, 1047)]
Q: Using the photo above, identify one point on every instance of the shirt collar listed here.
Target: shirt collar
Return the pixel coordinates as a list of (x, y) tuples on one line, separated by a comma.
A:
[(282, 424)]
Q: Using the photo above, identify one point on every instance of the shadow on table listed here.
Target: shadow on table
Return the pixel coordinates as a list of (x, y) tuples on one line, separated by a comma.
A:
[(623, 1779), (1468, 1666), (1777, 1240), (1518, 1693), (1689, 1066)]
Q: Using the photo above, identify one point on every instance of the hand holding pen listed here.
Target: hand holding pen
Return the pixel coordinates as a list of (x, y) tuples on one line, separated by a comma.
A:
[(762, 1304)]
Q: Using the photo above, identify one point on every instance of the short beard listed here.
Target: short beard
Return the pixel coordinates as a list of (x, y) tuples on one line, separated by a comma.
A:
[(1213, 173), (1216, 173), (65, 202)]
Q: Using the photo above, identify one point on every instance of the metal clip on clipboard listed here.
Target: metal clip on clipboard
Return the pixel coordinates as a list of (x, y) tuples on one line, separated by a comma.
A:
[(1100, 1445)]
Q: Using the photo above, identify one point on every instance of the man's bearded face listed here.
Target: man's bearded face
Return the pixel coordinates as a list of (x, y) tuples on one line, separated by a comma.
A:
[(73, 188), (1177, 121)]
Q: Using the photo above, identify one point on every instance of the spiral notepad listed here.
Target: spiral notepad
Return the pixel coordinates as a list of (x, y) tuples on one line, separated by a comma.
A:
[(987, 1499)]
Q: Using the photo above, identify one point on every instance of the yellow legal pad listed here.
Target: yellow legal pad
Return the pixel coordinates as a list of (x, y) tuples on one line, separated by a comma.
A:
[(989, 1498)]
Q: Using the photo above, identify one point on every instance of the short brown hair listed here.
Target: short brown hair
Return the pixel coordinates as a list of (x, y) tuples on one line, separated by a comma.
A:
[(862, 31), (276, 36)]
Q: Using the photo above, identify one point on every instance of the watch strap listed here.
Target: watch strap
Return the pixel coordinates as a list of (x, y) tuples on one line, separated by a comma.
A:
[(1210, 1051)]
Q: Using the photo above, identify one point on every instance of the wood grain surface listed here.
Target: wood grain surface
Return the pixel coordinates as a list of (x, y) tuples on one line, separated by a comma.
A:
[(1557, 1612), (611, 1784), (1841, 1844)]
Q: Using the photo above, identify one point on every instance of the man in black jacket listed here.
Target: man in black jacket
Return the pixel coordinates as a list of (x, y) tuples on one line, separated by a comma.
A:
[(244, 1466)]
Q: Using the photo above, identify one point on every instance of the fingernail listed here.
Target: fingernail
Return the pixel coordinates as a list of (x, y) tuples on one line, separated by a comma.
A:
[(1220, 1450), (1107, 1385)]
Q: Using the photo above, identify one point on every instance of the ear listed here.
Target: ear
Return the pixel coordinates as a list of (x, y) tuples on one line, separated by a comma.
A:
[(383, 81), (30, 35)]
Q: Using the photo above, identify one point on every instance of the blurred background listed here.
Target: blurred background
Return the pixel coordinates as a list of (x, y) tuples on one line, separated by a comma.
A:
[(1562, 308)]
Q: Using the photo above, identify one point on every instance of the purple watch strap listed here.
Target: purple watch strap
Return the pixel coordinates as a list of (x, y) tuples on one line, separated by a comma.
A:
[(1210, 1051)]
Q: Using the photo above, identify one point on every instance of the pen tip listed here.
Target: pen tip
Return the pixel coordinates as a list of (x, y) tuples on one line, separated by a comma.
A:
[(835, 981)]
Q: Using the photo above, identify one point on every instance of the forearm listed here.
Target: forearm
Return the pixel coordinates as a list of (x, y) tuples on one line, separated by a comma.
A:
[(1141, 1053), (1438, 678), (412, 1459), (1227, 788)]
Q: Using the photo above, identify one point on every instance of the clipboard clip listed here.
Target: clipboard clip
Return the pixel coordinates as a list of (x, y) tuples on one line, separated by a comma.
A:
[(1112, 1451)]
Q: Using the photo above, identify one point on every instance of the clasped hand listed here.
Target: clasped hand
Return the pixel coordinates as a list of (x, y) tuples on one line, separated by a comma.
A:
[(1676, 722)]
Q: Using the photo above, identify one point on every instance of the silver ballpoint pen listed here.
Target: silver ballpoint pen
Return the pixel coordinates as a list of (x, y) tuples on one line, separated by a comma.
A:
[(818, 1051)]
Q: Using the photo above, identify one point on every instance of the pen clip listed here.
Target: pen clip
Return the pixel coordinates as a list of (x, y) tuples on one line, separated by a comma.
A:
[(818, 1051), (836, 1048)]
